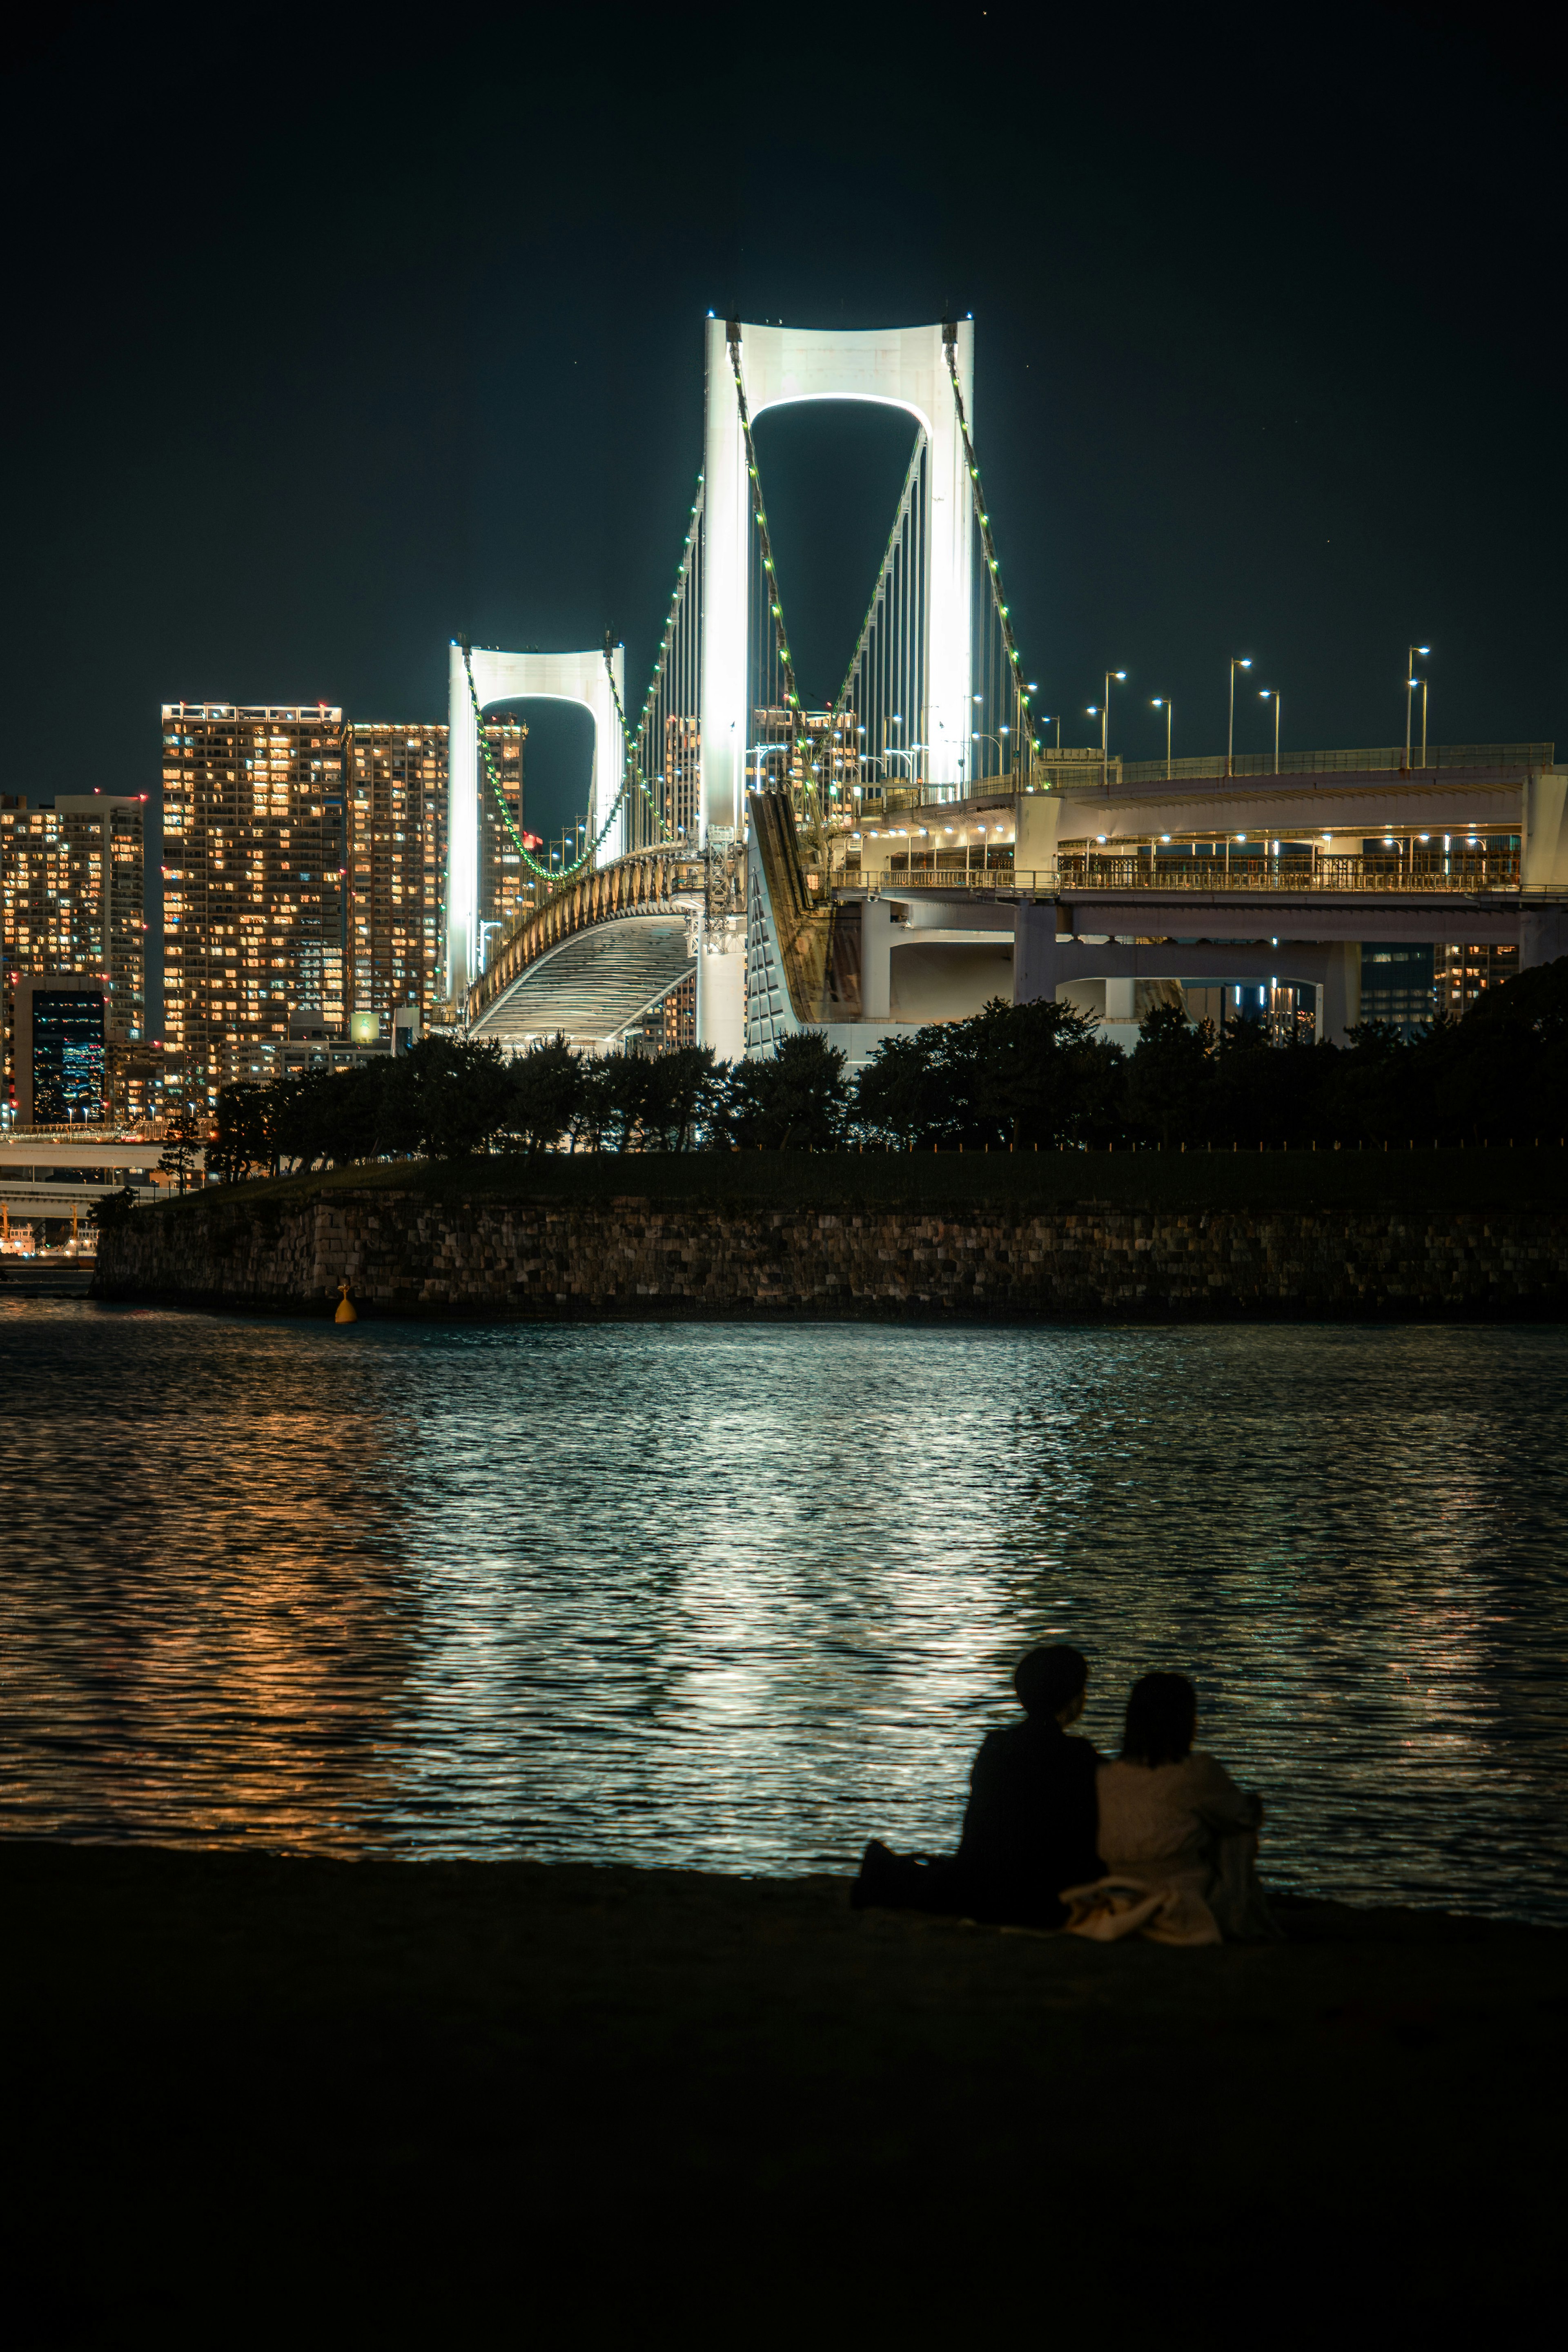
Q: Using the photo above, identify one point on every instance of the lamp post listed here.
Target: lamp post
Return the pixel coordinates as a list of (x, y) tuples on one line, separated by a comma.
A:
[(1268, 693), (1423, 722), (764, 751), (893, 751), (1163, 702), (1410, 686), (1239, 662), (1105, 727)]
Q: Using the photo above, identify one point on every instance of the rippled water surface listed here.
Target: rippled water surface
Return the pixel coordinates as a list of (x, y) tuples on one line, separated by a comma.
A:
[(739, 1598)]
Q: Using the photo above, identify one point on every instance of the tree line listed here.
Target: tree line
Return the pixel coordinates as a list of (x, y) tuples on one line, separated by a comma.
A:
[(1017, 1077)]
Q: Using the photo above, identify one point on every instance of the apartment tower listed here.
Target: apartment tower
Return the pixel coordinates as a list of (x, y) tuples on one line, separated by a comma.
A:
[(254, 883), (72, 881)]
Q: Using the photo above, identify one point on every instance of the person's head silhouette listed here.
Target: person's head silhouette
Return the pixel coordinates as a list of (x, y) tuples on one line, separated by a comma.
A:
[(1162, 1720), (1051, 1682)]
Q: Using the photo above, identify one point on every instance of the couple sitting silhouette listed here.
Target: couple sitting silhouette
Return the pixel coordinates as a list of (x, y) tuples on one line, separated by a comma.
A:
[(1161, 1842)]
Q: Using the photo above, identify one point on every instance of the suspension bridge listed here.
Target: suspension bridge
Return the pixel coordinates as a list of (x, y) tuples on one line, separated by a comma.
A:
[(915, 848)]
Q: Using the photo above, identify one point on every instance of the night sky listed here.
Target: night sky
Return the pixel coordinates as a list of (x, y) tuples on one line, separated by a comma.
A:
[(331, 336)]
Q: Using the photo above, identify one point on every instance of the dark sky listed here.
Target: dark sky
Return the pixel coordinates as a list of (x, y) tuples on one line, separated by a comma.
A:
[(331, 335)]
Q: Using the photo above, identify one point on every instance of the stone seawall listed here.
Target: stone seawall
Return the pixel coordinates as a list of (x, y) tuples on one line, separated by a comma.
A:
[(409, 1254)]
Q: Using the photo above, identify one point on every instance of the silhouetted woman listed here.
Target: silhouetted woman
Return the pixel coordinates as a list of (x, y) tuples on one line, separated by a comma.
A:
[(1174, 1819)]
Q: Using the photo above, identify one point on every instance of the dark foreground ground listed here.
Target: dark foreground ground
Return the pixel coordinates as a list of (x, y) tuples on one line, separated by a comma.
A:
[(247, 2100)]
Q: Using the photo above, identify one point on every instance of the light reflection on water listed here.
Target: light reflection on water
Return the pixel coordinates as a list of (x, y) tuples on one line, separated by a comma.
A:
[(725, 1596)]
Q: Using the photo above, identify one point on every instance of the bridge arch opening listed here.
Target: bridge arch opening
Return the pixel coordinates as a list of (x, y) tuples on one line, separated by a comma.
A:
[(835, 471), (487, 677), (558, 763)]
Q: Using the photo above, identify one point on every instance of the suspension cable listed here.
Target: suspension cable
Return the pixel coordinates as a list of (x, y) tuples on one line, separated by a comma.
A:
[(545, 873), (993, 571), (634, 771), (781, 635)]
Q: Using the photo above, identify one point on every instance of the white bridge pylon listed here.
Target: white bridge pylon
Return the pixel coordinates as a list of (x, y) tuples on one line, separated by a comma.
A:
[(893, 367), (579, 678)]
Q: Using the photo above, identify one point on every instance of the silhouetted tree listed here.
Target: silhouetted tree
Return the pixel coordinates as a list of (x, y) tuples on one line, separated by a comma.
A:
[(181, 1143), (795, 1101), (301, 1117), (447, 1098), (684, 1098), (1170, 1078), (112, 1211), (895, 1099), (1014, 1074), (243, 1137), (546, 1088)]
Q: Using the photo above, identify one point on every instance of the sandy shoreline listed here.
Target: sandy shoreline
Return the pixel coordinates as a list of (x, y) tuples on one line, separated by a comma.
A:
[(429, 2101)]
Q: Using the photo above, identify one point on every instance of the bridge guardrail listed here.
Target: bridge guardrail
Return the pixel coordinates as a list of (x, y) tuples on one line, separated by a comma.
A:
[(1362, 877)]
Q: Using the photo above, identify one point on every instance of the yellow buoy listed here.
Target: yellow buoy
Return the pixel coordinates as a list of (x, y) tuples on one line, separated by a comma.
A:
[(346, 1310)]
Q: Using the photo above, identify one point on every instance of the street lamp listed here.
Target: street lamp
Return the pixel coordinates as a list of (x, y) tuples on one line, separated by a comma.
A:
[(1268, 693), (1105, 727), (1410, 685), (1163, 702), (763, 751), (1237, 663), (894, 751)]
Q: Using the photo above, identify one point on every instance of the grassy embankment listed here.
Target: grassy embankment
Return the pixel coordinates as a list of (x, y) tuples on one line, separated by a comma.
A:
[(252, 2100), (1418, 1181)]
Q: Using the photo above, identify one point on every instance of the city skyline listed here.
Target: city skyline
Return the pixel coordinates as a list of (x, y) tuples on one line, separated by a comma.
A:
[(1222, 409)]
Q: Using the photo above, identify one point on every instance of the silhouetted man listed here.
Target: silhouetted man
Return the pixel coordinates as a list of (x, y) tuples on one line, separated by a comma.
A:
[(1030, 1825)]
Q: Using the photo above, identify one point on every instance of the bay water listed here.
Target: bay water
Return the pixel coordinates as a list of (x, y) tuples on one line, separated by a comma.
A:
[(739, 1598)]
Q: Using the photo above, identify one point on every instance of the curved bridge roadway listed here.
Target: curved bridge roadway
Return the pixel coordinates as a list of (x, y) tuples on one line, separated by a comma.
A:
[(596, 955)]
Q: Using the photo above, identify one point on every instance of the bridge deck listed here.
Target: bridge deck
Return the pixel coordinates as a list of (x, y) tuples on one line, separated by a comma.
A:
[(593, 986)]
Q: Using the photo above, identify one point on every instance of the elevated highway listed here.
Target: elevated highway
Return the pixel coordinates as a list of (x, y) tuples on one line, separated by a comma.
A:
[(1079, 893), (1082, 893), (41, 1176)]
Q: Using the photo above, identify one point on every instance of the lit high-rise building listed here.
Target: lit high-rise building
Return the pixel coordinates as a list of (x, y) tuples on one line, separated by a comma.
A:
[(1464, 974), (680, 795), (71, 883), (506, 886), (397, 844), (397, 857), (254, 883)]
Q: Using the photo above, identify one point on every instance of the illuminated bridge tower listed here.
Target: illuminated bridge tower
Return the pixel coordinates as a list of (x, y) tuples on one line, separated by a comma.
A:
[(896, 367), (582, 677)]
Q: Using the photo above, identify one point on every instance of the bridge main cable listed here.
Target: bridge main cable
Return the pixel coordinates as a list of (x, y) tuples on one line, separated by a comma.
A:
[(781, 639), (983, 519), (546, 873)]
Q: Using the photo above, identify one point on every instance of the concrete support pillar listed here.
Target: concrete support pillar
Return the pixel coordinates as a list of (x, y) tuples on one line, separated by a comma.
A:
[(1339, 997), (1034, 951), (721, 999), (1121, 1000), (1543, 935), (877, 960)]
